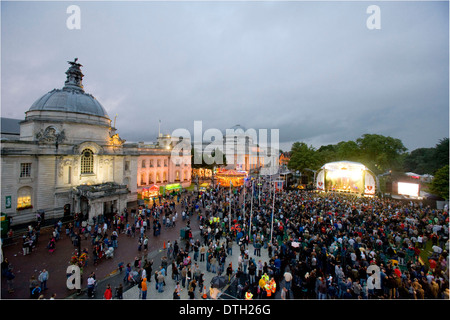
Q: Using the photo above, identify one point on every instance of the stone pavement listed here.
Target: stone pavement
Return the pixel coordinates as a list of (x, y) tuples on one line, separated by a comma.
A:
[(24, 267), (153, 294)]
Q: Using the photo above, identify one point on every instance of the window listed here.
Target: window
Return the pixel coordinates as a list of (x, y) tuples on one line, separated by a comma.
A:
[(127, 165), (87, 161), (69, 175), (150, 178), (164, 176), (142, 178), (177, 178), (24, 198), (25, 170), (143, 163), (151, 163), (158, 178), (165, 162), (159, 163)]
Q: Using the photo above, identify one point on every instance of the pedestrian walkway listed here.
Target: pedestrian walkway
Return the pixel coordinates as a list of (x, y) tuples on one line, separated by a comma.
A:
[(153, 294)]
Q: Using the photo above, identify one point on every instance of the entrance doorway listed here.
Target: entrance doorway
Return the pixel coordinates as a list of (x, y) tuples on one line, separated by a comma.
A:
[(109, 208), (84, 207), (67, 210)]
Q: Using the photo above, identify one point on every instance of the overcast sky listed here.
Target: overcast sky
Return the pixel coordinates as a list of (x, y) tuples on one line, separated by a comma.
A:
[(313, 70)]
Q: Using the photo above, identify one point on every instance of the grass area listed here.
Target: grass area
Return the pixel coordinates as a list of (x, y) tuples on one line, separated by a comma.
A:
[(426, 252)]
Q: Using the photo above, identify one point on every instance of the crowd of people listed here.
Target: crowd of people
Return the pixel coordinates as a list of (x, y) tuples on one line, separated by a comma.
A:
[(320, 245), (341, 246)]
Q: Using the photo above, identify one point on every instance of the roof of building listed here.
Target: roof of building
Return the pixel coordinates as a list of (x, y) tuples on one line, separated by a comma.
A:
[(72, 97), (10, 126)]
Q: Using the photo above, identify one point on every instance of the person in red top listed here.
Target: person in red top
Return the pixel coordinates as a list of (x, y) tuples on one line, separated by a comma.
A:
[(108, 293), (398, 272)]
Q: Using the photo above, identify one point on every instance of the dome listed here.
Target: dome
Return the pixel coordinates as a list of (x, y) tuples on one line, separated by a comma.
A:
[(238, 127), (67, 100), (71, 98)]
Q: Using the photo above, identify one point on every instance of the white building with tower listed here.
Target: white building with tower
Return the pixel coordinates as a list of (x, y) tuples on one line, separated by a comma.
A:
[(68, 158)]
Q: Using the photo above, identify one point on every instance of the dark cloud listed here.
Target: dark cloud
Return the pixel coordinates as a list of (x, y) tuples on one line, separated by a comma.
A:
[(312, 70)]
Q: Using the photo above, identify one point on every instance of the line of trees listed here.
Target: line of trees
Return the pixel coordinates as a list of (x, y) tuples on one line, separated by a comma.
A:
[(199, 159), (380, 154)]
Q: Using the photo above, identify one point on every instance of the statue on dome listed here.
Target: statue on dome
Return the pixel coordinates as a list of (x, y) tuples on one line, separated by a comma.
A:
[(74, 74)]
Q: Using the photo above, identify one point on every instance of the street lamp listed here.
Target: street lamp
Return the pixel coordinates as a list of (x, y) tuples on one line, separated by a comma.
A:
[(273, 208), (251, 212)]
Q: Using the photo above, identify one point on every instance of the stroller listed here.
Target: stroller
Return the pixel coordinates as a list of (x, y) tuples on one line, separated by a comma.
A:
[(133, 278), (187, 261)]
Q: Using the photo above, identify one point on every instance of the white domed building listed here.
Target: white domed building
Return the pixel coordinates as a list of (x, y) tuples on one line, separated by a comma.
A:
[(243, 151), (68, 158)]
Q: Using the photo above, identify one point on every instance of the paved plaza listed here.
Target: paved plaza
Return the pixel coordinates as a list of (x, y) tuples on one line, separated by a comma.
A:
[(152, 293)]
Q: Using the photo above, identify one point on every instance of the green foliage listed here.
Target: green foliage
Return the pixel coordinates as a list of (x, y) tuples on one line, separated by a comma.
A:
[(348, 150), (377, 152), (427, 160), (441, 154), (207, 161), (439, 185), (419, 161), (303, 157), (380, 153)]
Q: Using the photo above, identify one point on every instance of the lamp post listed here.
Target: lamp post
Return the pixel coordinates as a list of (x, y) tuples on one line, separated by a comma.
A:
[(229, 214), (251, 213), (273, 207), (273, 213), (259, 185)]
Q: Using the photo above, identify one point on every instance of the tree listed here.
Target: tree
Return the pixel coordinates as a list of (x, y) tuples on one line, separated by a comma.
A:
[(441, 155), (303, 157), (427, 160), (420, 161), (439, 185), (203, 160), (348, 150), (196, 158), (220, 158), (327, 154), (381, 153)]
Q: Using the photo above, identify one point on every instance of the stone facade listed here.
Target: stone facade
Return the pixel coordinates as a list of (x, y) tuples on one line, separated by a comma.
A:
[(69, 159)]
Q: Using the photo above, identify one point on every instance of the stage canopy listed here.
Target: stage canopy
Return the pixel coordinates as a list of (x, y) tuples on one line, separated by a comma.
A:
[(346, 176)]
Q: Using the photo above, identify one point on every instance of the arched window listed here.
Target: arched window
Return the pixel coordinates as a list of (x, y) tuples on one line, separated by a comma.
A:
[(87, 161), (24, 198)]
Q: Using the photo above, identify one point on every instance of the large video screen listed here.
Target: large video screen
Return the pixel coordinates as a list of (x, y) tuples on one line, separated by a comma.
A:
[(408, 189)]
